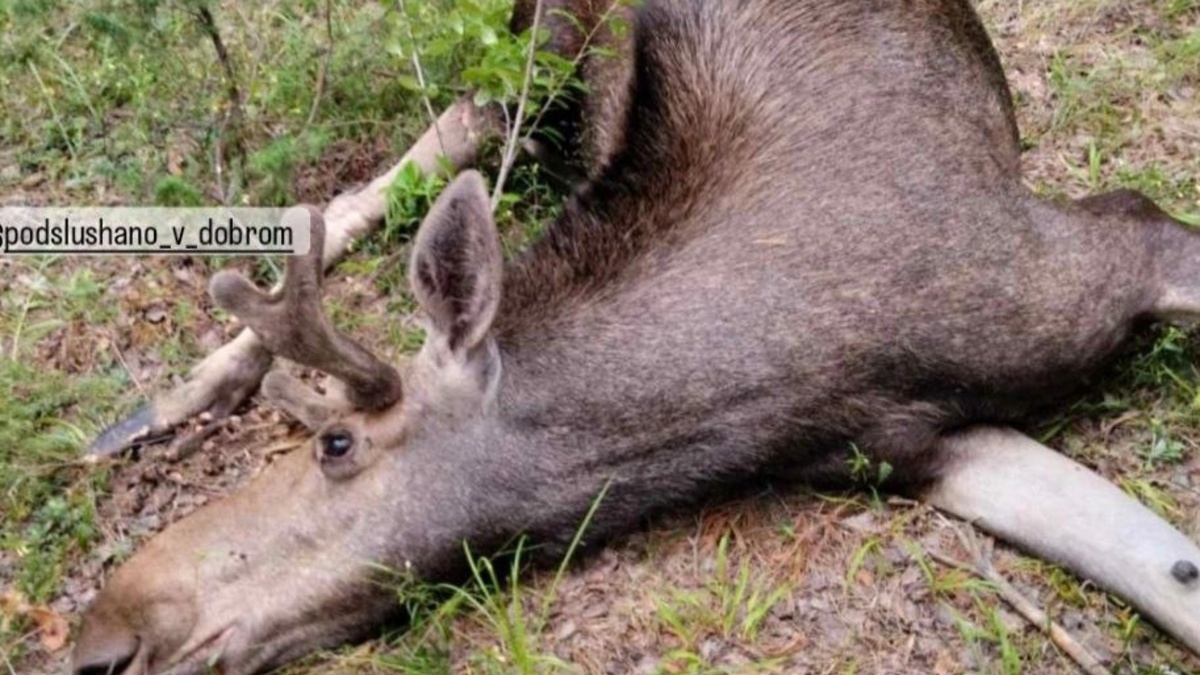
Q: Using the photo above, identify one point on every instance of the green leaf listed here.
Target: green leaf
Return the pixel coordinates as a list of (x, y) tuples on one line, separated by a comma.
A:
[(409, 82)]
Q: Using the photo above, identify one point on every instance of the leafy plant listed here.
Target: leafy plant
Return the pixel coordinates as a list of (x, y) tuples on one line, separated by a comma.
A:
[(1163, 448), (176, 191), (409, 197), (48, 513), (865, 472)]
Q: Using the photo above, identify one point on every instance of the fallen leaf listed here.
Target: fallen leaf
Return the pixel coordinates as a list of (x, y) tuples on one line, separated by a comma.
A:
[(13, 604), (156, 314), (53, 629), (865, 578)]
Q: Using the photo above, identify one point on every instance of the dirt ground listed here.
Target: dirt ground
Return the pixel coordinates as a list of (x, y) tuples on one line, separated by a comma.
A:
[(863, 592)]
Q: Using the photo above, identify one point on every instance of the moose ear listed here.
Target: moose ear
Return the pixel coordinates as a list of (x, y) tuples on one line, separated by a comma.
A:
[(456, 264)]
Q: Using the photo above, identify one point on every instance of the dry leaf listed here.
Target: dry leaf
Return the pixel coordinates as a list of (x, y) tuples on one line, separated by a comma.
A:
[(53, 629), (865, 578), (13, 604)]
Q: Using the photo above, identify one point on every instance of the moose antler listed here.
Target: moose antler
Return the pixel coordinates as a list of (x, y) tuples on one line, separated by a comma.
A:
[(292, 323)]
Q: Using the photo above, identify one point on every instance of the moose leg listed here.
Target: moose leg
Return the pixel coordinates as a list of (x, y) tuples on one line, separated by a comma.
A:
[(1178, 299), (1173, 249), (1029, 495), (219, 383)]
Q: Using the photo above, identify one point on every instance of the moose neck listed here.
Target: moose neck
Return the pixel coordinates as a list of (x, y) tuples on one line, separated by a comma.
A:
[(588, 405)]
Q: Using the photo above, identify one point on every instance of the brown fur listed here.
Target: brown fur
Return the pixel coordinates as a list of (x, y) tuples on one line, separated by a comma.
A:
[(804, 234)]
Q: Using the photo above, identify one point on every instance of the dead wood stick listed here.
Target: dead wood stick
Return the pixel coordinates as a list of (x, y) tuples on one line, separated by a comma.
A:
[(323, 71), (983, 568)]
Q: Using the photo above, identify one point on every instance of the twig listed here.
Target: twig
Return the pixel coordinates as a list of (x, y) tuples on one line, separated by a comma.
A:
[(558, 87), (982, 568), (233, 116), (16, 338), (186, 445), (323, 72), (209, 24), (514, 133), (53, 111), (219, 168), (416, 61), (112, 340)]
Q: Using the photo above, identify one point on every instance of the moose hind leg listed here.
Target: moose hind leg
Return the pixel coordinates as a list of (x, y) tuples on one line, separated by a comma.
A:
[(1033, 497), (1173, 248), (1178, 297)]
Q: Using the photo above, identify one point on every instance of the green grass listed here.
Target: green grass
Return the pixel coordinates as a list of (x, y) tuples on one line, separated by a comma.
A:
[(47, 415), (732, 605), (1006, 657), (1109, 98), (98, 88), (47, 497)]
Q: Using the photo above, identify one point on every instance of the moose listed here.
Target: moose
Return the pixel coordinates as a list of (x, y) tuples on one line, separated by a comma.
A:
[(801, 233)]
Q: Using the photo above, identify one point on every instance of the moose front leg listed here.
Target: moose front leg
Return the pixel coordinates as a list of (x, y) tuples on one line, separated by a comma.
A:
[(1029, 495), (219, 383)]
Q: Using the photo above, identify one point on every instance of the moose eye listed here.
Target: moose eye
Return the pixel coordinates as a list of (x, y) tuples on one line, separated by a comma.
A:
[(335, 444)]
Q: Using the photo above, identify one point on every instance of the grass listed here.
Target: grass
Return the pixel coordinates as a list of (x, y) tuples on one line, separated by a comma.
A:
[(47, 497), (732, 605), (1107, 98), (505, 614), (45, 418), (99, 119)]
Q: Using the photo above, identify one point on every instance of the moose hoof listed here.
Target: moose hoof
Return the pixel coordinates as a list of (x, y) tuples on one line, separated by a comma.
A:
[(1185, 572)]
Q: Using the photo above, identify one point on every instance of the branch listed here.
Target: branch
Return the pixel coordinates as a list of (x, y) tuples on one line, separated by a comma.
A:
[(510, 145), (982, 568), (416, 61), (323, 72), (209, 24), (233, 116)]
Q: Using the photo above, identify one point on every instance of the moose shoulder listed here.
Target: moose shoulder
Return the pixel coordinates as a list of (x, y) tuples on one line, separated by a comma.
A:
[(803, 232)]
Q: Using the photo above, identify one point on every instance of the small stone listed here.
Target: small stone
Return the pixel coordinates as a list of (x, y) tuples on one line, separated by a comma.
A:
[(647, 665), (156, 314), (862, 522), (566, 630), (711, 649)]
